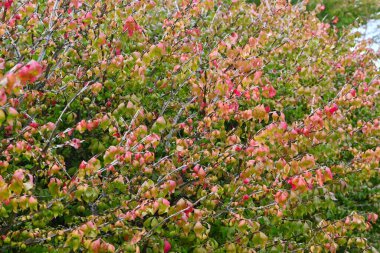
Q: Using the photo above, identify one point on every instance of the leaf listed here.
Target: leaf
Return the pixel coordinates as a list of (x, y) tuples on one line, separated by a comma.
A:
[(259, 239)]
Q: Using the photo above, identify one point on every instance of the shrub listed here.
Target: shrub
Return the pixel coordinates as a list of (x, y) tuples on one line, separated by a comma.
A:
[(185, 126)]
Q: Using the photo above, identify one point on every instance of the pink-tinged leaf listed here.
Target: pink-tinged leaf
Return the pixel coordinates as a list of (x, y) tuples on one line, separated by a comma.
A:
[(162, 47), (176, 68), (81, 126), (131, 26), (88, 16), (75, 143), (30, 72), (161, 120), (201, 173), (281, 197), (136, 238), (320, 177), (372, 217), (268, 91), (95, 245), (3, 97), (166, 202), (329, 173), (272, 92), (290, 181), (257, 77), (32, 203), (172, 184), (234, 38), (18, 175), (76, 3), (83, 165), (283, 125)]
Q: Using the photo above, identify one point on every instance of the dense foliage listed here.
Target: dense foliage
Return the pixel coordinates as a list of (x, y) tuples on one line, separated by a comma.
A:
[(347, 12), (340, 13), (185, 126)]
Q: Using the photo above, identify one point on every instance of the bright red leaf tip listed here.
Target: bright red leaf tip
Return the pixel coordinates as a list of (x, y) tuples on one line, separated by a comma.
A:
[(332, 109), (82, 165), (237, 93), (8, 4), (33, 124), (167, 246)]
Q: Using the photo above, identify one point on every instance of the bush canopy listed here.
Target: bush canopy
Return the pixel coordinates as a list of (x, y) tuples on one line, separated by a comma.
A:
[(185, 126)]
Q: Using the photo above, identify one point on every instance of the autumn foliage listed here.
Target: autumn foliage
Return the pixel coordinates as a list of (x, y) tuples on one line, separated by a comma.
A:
[(185, 126)]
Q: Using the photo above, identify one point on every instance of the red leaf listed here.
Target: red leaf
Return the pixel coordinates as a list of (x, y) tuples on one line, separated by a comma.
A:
[(167, 246)]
